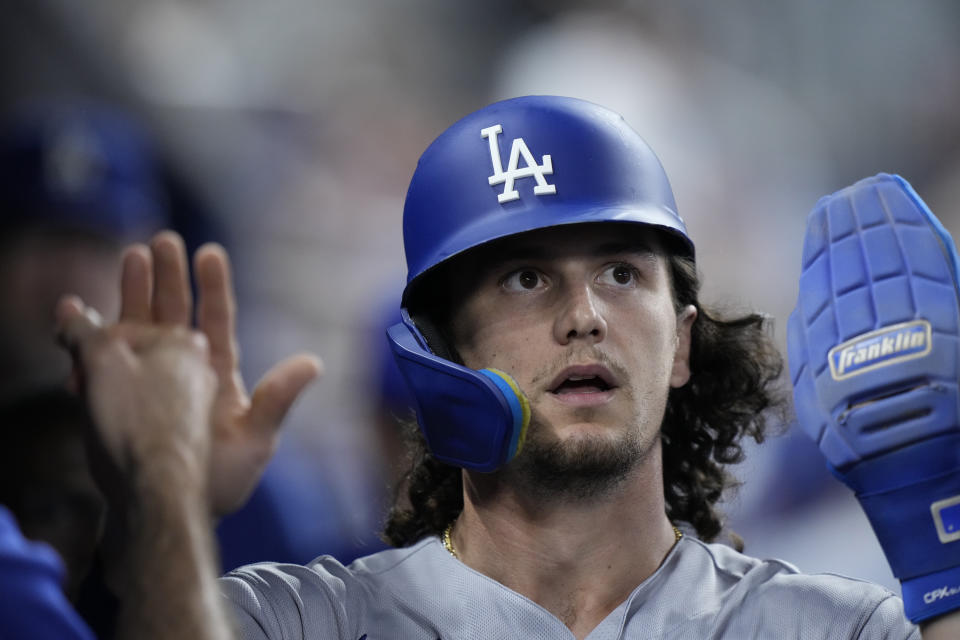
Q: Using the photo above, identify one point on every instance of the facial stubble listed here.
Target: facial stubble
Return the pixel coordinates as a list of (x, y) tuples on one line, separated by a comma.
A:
[(581, 467)]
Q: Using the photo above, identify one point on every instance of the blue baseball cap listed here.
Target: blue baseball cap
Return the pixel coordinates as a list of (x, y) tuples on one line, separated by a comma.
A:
[(79, 166)]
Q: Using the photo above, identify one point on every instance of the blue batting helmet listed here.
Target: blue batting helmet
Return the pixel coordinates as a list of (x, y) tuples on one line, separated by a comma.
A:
[(514, 166)]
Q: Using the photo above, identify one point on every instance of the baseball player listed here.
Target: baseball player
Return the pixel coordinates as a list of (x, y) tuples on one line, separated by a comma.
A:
[(577, 405)]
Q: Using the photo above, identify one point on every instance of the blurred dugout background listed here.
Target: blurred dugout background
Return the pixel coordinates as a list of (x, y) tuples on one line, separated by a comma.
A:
[(297, 123)]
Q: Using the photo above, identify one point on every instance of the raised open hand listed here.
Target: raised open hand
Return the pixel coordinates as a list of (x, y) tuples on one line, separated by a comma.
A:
[(149, 389), (155, 289)]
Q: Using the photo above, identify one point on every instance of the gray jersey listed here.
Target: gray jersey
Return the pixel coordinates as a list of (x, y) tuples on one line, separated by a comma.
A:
[(422, 592)]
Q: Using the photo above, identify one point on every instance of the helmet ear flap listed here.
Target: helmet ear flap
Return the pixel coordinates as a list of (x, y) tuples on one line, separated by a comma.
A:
[(435, 339), (471, 419)]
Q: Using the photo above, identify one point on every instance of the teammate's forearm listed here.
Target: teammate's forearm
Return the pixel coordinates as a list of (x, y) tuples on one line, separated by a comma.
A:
[(169, 577)]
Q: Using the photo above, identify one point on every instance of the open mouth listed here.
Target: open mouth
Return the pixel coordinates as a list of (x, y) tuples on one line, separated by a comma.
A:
[(592, 384), (586, 379)]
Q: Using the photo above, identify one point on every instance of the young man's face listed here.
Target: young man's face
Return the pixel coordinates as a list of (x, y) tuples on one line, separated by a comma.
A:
[(583, 318)]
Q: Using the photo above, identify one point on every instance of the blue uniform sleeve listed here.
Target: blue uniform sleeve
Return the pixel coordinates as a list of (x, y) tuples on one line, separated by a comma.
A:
[(32, 604)]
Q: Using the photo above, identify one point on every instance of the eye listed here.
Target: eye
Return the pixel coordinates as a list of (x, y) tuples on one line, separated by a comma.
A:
[(523, 280), (619, 274)]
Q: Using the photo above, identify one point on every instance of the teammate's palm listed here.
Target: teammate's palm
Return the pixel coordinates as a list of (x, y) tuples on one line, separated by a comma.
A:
[(155, 288)]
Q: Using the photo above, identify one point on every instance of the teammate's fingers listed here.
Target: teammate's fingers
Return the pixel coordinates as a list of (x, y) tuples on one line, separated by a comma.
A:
[(172, 300), (278, 390), (136, 284), (216, 306)]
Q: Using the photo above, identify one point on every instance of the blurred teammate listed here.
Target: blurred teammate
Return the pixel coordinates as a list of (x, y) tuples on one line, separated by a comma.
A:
[(78, 181), (577, 400)]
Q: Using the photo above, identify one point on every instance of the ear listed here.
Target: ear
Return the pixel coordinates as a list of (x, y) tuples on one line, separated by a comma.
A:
[(680, 373)]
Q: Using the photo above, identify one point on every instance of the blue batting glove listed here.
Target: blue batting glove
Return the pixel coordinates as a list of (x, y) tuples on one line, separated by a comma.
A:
[(874, 351)]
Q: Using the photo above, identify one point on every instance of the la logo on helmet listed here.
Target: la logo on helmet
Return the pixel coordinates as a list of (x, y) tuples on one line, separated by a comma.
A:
[(515, 172)]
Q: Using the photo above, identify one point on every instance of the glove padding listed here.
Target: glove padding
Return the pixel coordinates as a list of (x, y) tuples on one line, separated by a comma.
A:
[(874, 351)]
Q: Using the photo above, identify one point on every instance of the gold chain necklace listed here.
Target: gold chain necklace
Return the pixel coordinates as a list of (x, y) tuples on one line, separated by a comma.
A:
[(448, 539)]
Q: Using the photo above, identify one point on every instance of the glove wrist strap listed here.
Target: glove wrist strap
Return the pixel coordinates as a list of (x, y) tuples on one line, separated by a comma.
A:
[(931, 595), (914, 537)]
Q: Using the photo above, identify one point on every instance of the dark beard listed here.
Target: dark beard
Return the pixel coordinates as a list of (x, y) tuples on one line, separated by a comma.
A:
[(585, 469)]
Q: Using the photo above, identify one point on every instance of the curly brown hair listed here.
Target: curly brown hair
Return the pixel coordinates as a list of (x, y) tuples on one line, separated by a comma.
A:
[(734, 391)]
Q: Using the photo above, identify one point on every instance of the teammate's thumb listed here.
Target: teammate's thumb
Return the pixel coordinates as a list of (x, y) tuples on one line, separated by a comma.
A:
[(279, 389), (75, 322)]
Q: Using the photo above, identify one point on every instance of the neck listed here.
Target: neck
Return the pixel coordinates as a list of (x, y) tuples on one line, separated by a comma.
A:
[(579, 559)]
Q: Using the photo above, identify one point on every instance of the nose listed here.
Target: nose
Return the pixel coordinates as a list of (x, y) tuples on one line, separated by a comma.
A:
[(580, 317)]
